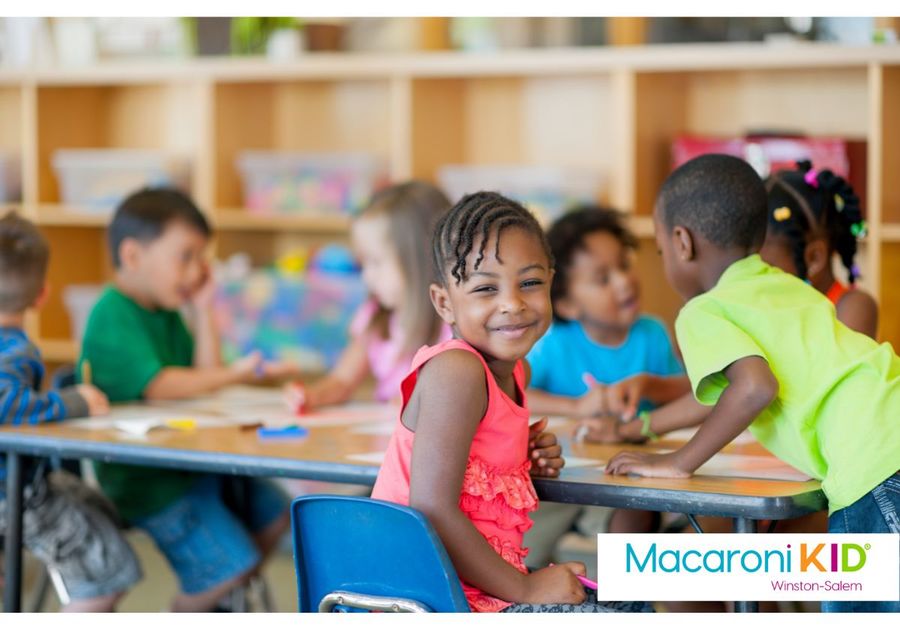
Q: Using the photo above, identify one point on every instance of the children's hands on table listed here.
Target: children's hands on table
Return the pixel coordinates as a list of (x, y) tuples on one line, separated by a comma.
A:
[(555, 584), (97, 402), (622, 398), (295, 397), (249, 368), (544, 451), (279, 370), (603, 430), (646, 465)]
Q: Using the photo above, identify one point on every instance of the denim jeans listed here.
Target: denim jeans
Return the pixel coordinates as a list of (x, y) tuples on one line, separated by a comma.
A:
[(878, 512)]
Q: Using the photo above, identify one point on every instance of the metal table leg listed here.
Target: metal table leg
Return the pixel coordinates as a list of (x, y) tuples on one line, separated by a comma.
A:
[(746, 526), (12, 594)]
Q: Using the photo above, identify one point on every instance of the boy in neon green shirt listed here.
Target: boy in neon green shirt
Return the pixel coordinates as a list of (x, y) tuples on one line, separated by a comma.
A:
[(768, 352)]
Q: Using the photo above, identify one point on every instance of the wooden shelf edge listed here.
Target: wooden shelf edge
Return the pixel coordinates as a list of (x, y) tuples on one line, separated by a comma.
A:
[(228, 220), (67, 216), (890, 232)]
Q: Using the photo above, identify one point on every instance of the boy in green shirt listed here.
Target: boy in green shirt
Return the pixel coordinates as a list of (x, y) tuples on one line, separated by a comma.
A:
[(767, 352), (138, 348)]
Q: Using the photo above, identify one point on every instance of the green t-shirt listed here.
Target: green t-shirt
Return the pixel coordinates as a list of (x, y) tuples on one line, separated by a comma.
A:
[(127, 345), (837, 414)]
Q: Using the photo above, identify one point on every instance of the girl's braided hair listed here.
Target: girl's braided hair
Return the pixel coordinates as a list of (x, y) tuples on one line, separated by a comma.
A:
[(804, 203), (477, 215)]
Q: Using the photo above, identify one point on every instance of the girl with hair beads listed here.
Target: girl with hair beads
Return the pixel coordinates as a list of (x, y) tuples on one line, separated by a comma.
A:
[(813, 215), (389, 238), (462, 451)]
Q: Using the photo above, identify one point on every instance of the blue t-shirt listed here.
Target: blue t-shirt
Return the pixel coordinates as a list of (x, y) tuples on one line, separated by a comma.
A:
[(561, 358)]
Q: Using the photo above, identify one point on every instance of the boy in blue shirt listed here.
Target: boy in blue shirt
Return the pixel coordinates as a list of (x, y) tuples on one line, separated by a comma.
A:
[(601, 360), (601, 356), (67, 525)]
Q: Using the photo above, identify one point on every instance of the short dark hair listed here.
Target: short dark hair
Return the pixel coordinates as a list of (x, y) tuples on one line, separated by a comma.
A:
[(568, 233), (473, 215), (719, 197), (145, 215), (23, 263)]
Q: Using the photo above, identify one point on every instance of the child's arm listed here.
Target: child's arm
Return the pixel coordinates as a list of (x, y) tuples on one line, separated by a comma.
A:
[(445, 419), (173, 383), (683, 412), (593, 403), (25, 405), (858, 310), (207, 351), (624, 397), (338, 386), (752, 387)]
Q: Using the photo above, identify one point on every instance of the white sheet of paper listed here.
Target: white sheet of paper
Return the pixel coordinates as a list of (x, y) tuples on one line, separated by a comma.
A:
[(744, 437), (572, 462), (750, 467), (381, 428), (354, 413)]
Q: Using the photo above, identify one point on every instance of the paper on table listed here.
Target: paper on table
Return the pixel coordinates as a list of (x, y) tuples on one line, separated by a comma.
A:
[(683, 435), (572, 462), (143, 425), (751, 467), (381, 428), (354, 413), (369, 458)]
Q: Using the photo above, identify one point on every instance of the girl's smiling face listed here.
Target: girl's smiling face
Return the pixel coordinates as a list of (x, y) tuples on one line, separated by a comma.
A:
[(503, 307)]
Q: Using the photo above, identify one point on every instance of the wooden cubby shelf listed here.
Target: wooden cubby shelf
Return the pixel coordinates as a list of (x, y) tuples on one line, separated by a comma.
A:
[(615, 111)]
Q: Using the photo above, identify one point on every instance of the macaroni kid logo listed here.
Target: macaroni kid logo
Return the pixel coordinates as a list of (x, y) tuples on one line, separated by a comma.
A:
[(709, 567)]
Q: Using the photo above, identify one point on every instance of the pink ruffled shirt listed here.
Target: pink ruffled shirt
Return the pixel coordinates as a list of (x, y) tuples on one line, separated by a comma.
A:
[(497, 493), (388, 362)]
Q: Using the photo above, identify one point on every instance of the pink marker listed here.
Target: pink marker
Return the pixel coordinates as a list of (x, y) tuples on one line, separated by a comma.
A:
[(586, 582), (588, 380)]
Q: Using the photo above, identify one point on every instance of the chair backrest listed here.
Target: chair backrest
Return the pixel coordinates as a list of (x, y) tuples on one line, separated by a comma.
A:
[(370, 547)]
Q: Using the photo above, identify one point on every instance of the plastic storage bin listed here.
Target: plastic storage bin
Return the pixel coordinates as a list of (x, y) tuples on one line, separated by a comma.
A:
[(283, 182), (548, 191), (79, 300), (10, 178), (304, 318), (98, 179)]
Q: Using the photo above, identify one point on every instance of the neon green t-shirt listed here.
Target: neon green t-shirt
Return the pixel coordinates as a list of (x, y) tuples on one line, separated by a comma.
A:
[(127, 345), (837, 414)]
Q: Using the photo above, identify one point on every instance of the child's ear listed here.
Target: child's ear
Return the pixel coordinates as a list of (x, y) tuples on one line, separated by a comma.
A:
[(816, 257), (684, 243), (129, 253), (440, 298), (41, 298)]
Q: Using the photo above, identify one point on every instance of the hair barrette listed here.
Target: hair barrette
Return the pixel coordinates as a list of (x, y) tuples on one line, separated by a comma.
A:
[(838, 203), (811, 177), (858, 229), (855, 271), (782, 214)]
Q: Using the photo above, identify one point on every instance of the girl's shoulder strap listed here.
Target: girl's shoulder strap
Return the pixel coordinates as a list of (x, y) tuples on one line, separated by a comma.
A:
[(425, 354)]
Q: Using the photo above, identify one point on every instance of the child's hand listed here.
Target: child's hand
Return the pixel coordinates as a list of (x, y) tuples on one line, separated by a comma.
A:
[(280, 370), (295, 398), (602, 430), (556, 584), (97, 402), (545, 452), (593, 403), (622, 398), (249, 368), (646, 465), (203, 295)]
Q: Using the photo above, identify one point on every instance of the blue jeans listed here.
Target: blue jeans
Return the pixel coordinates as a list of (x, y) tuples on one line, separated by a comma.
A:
[(878, 512), (204, 541)]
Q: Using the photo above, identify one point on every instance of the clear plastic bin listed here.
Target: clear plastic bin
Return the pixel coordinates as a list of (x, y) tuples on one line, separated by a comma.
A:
[(548, 191), (10, 178), (285, 182), (98, 179), (79, 300)]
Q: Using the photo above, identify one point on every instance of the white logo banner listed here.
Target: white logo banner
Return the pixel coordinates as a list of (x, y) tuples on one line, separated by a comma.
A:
[(762, 567)]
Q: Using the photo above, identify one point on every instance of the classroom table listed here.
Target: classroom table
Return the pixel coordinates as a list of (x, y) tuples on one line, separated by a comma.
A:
[(346, 452)]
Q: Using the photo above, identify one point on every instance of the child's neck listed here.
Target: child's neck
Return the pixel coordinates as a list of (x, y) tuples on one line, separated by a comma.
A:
[(603, 334), (12, 320), (716, 264), (128, 286), (822, 281)]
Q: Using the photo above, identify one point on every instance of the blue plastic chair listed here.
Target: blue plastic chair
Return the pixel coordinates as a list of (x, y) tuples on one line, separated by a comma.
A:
[(354, 553)]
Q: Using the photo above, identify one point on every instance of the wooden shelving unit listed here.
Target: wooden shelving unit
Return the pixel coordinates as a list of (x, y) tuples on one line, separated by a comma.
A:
[(613, 110)]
